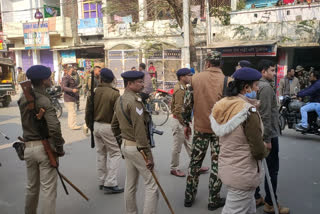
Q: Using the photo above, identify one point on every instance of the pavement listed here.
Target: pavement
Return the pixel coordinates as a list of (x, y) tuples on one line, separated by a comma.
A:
[(298, 185)]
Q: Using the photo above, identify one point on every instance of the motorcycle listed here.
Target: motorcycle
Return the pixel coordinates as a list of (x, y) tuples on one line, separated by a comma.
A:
[(290, 115), (55, 93), (165, 96)]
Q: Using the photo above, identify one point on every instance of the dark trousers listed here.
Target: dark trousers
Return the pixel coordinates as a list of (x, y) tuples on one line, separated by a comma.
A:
[(273, 166)]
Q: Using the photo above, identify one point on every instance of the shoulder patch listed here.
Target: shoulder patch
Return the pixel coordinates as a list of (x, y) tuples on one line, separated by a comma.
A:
[(139, 99), (139, 111)]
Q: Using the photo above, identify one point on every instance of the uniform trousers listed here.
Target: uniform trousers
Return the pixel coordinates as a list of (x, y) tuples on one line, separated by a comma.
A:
[(72, 115), (108, 154), (136, 166), (178, 140), (40, 176), (200, 144), (239, 202)]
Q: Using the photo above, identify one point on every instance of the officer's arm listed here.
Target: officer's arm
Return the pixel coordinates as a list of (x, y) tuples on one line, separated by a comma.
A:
[(53, 124), (179, 99), (253, 132), (115, 126), (139, 126), (265, 109)]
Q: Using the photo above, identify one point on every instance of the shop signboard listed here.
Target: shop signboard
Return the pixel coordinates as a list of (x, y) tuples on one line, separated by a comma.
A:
[(90, 26), (68, 57), (280, 75), (251, 51), (36, 35)]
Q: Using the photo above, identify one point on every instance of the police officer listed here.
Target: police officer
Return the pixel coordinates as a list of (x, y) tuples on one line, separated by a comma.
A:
[(105, 98), (184, 77), (40, 174), (129, 122), (303, 77)]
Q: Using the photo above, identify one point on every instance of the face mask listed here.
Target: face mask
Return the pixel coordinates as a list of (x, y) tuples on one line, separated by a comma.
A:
[(251, 95)]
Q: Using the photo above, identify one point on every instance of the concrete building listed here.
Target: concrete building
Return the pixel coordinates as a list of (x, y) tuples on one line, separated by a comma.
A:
[(288, 34), (36, 36)]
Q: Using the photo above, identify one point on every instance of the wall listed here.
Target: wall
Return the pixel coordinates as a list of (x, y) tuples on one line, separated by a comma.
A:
[(10, 5), (276, 14), (287, 34)]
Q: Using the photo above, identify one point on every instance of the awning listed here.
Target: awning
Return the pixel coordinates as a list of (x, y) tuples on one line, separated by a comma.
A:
[(245, 48)]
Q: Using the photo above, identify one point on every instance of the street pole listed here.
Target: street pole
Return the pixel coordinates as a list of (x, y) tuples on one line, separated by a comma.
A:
[(208, 22), (186, 32)]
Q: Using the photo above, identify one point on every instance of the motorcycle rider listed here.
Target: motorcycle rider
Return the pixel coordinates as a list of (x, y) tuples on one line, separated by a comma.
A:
[(314, 104)]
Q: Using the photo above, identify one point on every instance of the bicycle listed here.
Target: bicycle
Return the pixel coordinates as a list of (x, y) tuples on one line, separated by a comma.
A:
[(159, 111)]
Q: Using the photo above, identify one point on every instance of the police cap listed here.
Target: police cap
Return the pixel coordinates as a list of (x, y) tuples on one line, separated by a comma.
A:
[(183, 72), (247, 74), (38, 72), (107, 74), (244, 63), (132, 75)]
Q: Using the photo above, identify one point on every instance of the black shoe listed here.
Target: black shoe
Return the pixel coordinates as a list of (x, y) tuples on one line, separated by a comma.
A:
[(113, 190), (301, 128), (219, 203), (188, 203), (100, 187)]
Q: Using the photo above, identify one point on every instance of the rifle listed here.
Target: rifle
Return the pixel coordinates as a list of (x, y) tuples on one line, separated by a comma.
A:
[(151, 127), (92, 107), (28, 92)]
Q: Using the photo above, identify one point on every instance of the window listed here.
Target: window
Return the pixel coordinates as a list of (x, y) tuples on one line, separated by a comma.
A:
[(91, 9)]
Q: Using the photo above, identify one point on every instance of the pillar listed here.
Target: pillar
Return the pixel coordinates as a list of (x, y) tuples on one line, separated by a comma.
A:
[(142, 10)]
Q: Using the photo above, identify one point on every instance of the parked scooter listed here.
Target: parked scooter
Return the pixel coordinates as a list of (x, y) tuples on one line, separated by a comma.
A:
[(290, 115), (55, 95)]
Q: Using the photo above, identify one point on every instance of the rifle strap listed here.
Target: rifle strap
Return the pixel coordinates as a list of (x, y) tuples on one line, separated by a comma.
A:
[(124, 114), (225, 84)]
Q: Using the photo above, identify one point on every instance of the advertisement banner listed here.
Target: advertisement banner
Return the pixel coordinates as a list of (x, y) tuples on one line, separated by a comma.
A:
[(36, 35), (90, 26), (50, 11), (280, 75), (267, 50), (68, 57)]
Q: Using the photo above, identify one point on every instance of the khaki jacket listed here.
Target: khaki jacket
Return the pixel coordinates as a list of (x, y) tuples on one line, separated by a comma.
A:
[(135, 110), (105, 97), (239, 127), (287, 88), (207, 90), (178, 100)]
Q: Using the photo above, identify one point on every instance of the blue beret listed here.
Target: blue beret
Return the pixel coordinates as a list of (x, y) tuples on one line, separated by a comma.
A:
[(248, 74), (183, 72), (244, 63), (38, 72), (132, 75), (106, 73)]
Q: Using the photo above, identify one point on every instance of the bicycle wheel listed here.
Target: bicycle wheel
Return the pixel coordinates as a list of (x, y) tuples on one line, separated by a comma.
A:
[(160, 112)]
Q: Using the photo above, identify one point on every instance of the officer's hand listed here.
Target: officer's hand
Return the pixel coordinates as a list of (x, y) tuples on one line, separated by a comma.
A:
[(268, 145), (150, 164), (187, 132), (74, 90)]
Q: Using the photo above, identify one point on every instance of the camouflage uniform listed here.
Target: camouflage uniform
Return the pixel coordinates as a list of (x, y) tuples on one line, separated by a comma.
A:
[(200, 143), (303, 78)]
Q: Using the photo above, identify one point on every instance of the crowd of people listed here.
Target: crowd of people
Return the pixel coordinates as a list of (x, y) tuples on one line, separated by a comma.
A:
[(236, 116)]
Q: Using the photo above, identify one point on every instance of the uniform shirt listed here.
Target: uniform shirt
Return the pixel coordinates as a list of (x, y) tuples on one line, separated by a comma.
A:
[(178, 100), (30, 125), (136, 112), (105, 97)]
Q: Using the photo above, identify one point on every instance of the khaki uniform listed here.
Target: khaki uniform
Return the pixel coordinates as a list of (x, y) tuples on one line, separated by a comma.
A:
[(40, 174), (134, 135), (108, 150), (177, 127)]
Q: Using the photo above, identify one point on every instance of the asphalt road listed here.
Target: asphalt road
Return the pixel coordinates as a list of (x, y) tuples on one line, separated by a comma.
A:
[(299, 176)]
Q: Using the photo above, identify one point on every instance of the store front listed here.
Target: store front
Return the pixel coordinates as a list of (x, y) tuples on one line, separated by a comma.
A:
[(27, 59)]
